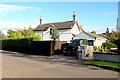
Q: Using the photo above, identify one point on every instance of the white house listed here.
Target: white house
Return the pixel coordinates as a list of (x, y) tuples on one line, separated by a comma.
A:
[(93, 39), (67, 29)]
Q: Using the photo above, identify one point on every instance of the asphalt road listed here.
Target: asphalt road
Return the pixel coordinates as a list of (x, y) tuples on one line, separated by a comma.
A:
[(23, 67)]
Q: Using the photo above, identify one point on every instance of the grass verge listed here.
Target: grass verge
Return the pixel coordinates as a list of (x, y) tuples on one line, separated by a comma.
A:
[(104, 64)]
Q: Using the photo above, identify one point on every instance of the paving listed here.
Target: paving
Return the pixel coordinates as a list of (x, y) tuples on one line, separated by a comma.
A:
[(18, 65)]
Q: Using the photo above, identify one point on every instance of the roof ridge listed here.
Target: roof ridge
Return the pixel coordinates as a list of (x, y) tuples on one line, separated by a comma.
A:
[(56, 22), (94, 35)]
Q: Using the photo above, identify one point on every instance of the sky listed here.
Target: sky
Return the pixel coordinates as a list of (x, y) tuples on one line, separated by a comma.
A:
[(92, 16)]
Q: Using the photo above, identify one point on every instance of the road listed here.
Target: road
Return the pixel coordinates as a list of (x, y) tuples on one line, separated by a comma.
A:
[(23, 67)]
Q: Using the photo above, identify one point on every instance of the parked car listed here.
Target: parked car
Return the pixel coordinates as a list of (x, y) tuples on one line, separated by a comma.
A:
[(70, 49)]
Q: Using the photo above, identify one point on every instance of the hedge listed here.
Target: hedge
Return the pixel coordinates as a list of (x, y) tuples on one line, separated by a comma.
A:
[(23, 42)]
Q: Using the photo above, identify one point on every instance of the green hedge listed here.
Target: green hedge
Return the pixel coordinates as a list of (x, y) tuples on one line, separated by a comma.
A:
[(23, 42)]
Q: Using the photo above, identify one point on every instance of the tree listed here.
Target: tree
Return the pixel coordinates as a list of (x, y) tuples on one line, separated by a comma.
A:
[(14, 34), (113, 36), (27, 32), (37, 37), (54, 34), (93, 32)]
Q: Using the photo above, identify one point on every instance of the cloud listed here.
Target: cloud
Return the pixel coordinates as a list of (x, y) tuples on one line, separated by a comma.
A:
[(5, 25), (4, 9), (110, 13)]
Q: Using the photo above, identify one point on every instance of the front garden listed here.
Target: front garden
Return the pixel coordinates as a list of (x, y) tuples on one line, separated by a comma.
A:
[(107, 56)]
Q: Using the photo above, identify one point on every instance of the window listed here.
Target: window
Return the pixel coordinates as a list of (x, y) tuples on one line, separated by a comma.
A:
[(90, 42), (50, 30)]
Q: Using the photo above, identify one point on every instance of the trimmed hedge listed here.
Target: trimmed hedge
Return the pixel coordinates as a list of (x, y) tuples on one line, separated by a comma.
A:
[(23, 42)]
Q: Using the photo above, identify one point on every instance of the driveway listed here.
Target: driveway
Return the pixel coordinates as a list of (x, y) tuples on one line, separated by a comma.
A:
[(17, 65)]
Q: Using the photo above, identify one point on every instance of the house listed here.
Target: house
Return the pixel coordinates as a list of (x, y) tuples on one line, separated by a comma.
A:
[(67, 30), (93, 39)]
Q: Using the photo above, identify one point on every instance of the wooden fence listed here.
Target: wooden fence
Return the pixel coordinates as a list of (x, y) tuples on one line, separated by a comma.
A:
[(47, 48)]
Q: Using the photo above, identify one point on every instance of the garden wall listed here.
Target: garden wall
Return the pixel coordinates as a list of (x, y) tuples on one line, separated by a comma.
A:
[(106, 57)]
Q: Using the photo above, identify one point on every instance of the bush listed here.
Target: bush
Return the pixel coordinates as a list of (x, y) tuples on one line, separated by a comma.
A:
[(85, 42), (37, 37), (101, 49), (105, 48), (94, 48), (109, 45)]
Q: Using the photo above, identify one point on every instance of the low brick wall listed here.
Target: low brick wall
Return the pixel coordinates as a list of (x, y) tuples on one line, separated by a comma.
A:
[(106, 57)]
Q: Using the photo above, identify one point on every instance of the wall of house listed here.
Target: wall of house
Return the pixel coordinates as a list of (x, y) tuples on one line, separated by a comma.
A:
[(65, 35), (45, 34), (99, 41), (75, 30), (39, 32), (84, 35)]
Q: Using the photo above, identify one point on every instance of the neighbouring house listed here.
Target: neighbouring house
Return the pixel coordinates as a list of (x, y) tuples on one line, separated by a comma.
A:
[(67, 30), (93, 39)]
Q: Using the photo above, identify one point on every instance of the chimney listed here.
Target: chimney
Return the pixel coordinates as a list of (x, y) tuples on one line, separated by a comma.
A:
[(41, 20), (74, 16)]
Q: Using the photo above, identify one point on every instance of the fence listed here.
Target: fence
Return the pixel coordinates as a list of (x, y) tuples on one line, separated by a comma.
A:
[(106, 57), (47, 48)]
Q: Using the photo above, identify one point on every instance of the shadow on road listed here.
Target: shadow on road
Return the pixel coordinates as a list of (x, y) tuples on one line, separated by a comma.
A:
[(56, 59)]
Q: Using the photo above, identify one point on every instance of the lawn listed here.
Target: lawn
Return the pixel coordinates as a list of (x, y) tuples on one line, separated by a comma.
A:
[(104, 64)]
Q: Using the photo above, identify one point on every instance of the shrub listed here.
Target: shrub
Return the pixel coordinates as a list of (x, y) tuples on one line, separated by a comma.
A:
[(85, 41), (94, 48), (105, 48), (36, 37), (109, 45)]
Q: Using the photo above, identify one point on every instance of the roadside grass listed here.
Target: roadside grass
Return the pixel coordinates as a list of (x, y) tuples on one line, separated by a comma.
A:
[(104, 64)]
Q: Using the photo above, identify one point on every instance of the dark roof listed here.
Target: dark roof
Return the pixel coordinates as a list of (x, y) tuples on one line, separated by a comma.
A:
[(58, 25)]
